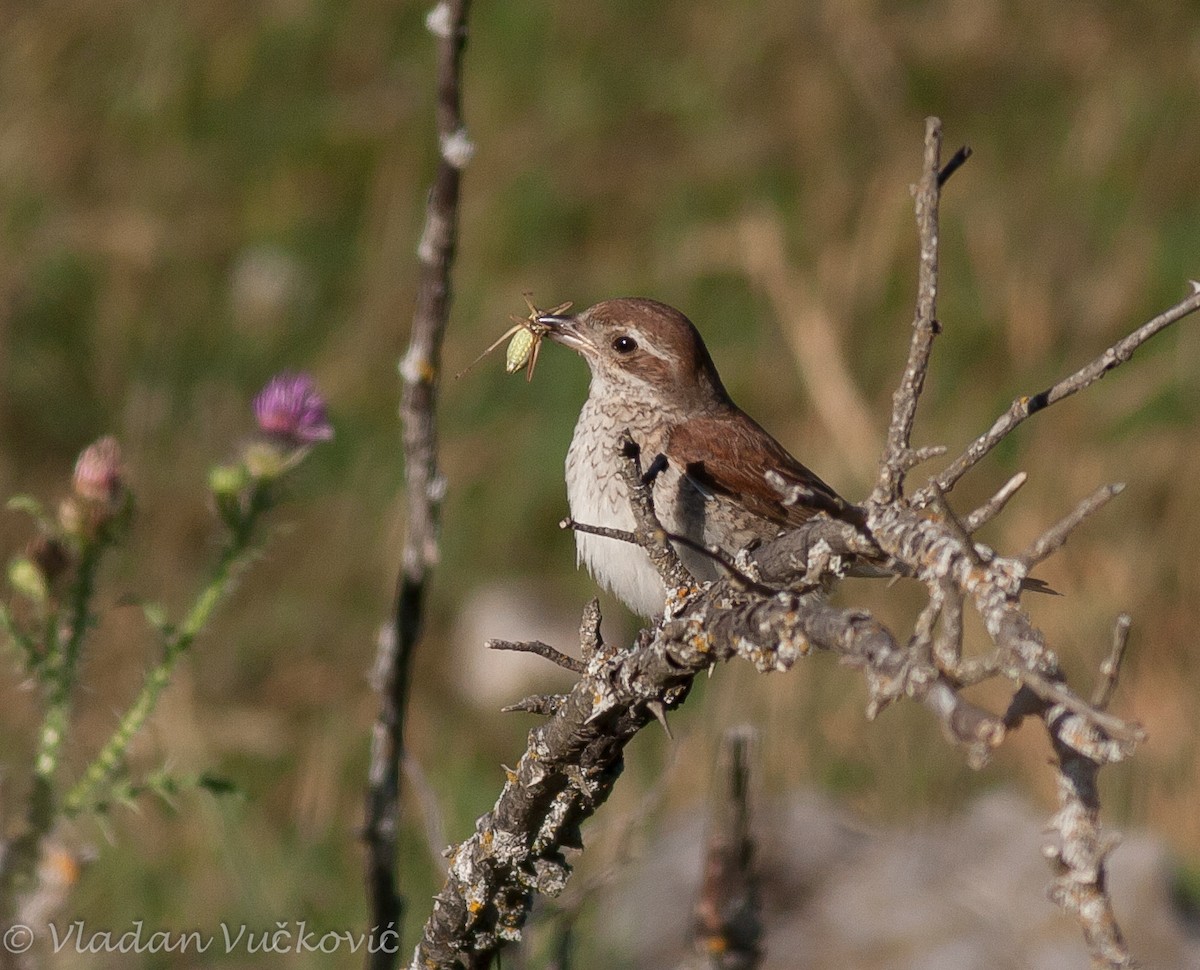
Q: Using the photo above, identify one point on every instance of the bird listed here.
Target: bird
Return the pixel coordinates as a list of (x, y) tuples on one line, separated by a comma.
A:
[(651, 375)]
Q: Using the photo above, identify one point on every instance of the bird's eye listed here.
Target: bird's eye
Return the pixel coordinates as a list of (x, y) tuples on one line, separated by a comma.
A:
[(624, 344)]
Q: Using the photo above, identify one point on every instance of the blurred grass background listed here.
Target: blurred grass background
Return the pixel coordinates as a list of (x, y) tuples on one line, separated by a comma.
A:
[(195, 196)]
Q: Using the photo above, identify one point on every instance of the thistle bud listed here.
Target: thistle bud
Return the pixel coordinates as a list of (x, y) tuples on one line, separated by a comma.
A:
[(25, 577), (99, 474), (228, 479)]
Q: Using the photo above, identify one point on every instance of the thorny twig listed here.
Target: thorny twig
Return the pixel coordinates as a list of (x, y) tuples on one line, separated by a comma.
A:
[(1024, 406), (544, 650), (424, 483), (573, 759)]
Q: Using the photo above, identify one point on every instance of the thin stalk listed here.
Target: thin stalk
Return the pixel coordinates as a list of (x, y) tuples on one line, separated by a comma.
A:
[(100, 771)]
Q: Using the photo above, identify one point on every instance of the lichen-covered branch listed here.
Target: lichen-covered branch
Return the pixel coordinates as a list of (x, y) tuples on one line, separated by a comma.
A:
[(574, 758), (552, 654), (420, 372)]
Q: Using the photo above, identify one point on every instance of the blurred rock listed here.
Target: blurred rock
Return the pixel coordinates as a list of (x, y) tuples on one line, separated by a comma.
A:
[(515, 610), (266, 285), (951, 894)]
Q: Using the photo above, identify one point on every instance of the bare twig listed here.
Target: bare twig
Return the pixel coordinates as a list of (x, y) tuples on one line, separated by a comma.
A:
[(1124, 734), (925, 325), (541, 649), (977, 731), (781, 562), (648, 531), (607, 532), (590, 641), (730, 568), (1023, 407), (956, 162), (978, 669), (936, 555), (1080, 848), (1053, 539), (424, 483), (947, 644), (993, 506), (1111, 668), (651, 535), (918, 456), (545, 704), (659, 710)]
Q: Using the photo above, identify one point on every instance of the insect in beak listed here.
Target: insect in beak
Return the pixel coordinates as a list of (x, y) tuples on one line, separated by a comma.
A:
[(526, 333)]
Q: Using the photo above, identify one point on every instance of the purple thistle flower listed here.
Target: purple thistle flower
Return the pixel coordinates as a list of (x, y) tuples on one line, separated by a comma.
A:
[(290, 409)]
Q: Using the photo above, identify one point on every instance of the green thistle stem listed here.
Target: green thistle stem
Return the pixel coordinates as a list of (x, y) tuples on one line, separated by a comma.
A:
[(17, 636), (105, 764), (56, 668), (62, 662)]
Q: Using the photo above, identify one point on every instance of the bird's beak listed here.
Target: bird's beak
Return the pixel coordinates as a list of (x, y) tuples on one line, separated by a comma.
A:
[(566, 330)]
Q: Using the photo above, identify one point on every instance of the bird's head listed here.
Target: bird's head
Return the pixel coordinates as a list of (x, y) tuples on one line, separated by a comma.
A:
[(643, 349)]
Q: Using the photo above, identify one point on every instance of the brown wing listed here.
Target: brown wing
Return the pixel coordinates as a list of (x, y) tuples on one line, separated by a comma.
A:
[(732, 458)]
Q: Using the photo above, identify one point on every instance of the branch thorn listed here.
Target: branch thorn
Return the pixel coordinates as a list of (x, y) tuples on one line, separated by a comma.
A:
[(659, 711)]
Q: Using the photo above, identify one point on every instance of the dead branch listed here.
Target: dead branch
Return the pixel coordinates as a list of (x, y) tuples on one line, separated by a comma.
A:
[(649, 532), (550, 653), (957, 529), (1111, 668), (1053, 539), (424, 484), (544, 704), (728, 918), (995, 505), (573, 760), (955, 163), (1087, 375), (925, 326), (1078, 851)]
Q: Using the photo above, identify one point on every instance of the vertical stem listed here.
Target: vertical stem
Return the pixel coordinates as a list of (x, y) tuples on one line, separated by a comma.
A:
[(18, 863), (423, 481), (62, 661), (105, 764), (925, 327), (727, 918)]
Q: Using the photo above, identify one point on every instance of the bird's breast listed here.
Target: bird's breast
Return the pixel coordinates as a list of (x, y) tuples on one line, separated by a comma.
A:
[(597, 495)]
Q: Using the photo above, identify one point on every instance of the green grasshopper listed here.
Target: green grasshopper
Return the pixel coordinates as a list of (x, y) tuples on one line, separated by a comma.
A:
[(526, 334)]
